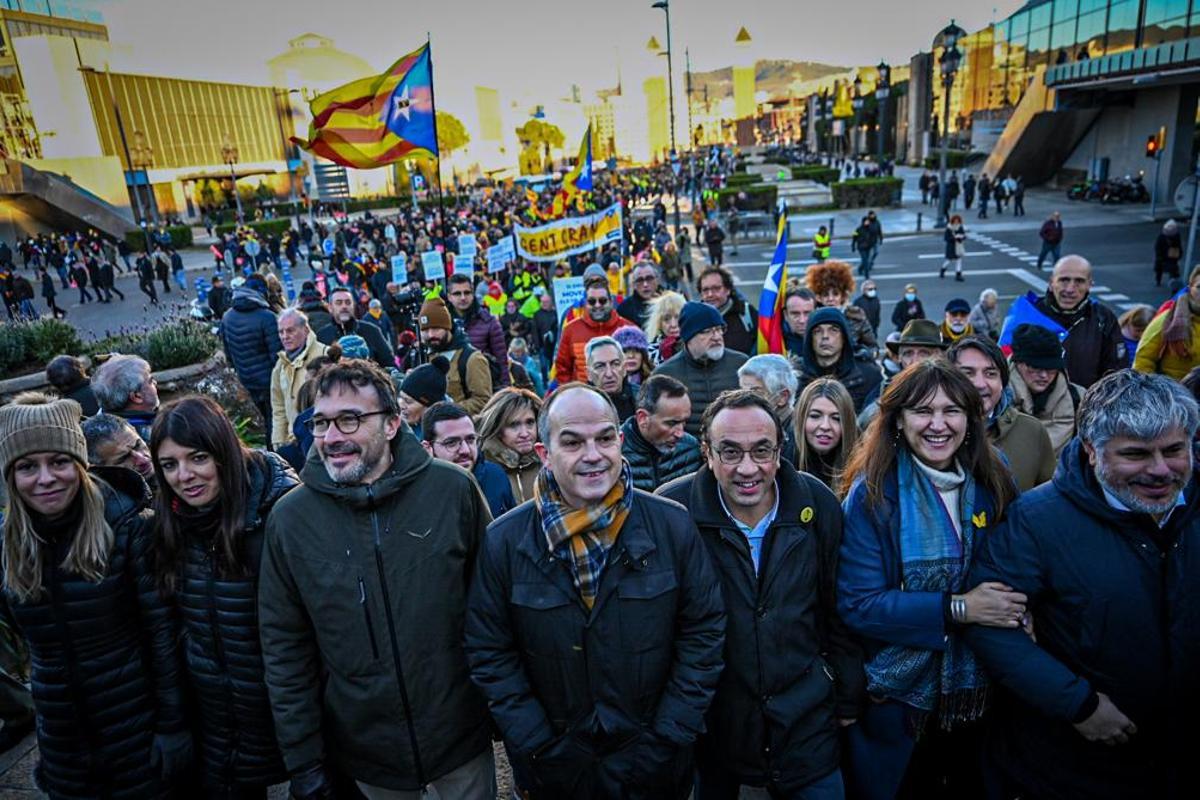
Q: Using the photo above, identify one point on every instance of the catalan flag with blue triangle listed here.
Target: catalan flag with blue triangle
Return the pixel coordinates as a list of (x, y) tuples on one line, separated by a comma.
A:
[(770, 302), (378, 120)]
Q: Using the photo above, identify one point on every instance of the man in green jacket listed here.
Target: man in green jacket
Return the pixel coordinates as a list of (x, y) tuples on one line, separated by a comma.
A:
[(362, 598)]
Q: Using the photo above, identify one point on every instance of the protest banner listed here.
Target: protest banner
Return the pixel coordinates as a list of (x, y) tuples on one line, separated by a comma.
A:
[(400, 268), (567, 292), (500, 255), (567, 237), (433, 265)]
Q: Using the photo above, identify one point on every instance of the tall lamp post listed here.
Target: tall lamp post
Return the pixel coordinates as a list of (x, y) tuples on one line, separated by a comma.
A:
[(666, 7), (285, 101), (827, 117), (857, 104), (141, 159), (882, 90), (947, 39), (229, 154)]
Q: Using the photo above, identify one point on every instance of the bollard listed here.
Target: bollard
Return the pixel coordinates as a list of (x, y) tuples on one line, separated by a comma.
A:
[(201, 290), (919, 215), (831, 219)]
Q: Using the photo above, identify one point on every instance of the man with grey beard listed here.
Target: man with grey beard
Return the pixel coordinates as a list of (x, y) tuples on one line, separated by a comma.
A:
[(1106, 690), (362, 597), (703, 364)]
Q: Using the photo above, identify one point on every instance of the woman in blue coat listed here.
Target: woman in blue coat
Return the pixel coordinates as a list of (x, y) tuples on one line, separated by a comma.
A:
[(923, 487)]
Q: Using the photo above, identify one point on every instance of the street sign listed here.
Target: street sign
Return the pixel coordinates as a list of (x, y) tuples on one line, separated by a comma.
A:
[(253, 248), (1185, 194)]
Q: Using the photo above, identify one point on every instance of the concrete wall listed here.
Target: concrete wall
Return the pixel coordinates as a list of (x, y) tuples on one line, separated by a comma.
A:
[(1120, 134)]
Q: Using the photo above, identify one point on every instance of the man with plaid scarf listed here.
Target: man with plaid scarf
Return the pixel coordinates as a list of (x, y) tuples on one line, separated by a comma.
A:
[(595, 623)]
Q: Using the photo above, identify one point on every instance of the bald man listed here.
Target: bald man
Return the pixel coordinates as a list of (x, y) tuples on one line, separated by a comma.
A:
[(1094, 344)]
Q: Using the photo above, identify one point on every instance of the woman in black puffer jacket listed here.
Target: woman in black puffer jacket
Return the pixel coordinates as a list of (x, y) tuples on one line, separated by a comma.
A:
[(79, 587), (212, 507)]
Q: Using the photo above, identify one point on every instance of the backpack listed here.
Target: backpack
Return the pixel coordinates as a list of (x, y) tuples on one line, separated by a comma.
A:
[(493, 368)]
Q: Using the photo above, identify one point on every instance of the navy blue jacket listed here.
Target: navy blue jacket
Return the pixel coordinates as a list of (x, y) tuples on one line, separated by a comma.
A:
[(1113, 613), (496, 489), (861, 378), (251, 339), (592, 701), (871, 600)]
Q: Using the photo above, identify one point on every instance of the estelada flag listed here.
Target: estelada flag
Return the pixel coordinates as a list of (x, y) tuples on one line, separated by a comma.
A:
[(379, 120), (1024, 310), (770, 302)]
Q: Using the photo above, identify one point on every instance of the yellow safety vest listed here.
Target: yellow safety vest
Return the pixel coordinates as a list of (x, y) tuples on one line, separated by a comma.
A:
[(821, 245)]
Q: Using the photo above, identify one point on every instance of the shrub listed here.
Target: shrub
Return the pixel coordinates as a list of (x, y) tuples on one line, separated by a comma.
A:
[(758, 197), (263, 227), (744, 178), (955, 159), (14, 346), (181, 236), (816, 172), (52, 337), (866, 192), (179, 343)]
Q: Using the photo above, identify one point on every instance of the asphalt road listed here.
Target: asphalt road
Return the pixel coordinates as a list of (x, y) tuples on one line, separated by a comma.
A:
[(1121, 255)]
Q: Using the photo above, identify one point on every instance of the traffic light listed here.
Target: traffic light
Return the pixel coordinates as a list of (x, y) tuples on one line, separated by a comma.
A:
[(1152, 146)]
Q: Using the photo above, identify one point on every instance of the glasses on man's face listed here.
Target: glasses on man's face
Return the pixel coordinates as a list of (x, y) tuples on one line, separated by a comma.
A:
[(347, 423), (597, 301), (460, 294), (731, 455), (645, 279), (455, 442)]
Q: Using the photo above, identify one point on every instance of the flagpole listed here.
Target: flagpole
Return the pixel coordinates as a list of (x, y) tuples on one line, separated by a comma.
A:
[(438, 170)]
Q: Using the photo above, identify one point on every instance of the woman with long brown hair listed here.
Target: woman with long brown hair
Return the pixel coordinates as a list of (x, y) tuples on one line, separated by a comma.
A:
[(921, 489), (213, 500), (79, 589), (508, 432), (826, 430)]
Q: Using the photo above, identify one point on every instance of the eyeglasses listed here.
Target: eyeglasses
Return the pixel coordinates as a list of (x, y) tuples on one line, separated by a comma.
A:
[(455, 442), (731, 455), (597, 301), (645, 279), (346, 423)]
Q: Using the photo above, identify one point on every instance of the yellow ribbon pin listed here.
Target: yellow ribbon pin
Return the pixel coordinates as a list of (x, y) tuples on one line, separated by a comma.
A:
[(806, 514), (980, 519)]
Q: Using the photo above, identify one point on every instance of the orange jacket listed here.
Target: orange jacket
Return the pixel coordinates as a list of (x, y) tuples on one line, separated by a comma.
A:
[(571, 365)]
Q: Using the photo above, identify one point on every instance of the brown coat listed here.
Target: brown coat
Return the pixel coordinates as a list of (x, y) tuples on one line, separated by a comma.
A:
[(1026, 445), (479, 382)]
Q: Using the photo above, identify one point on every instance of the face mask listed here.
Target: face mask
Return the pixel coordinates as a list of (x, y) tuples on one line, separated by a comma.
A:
[(910, 296), (870, 293), (958, 327)]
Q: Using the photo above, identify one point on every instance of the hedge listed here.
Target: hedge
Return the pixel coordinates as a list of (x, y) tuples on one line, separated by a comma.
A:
[(744, 178), (758, 197), (955, 159), (816, 172), (174, 344), (867, 192), (264, 227), (181, 236)]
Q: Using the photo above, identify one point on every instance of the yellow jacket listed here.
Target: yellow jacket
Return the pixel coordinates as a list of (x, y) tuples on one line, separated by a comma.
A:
[(286, 379), (1148, 359)]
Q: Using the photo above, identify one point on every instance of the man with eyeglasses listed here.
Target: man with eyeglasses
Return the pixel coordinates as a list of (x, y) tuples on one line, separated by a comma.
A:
[(599, 319), (594, 624), (636, 307), (480, 326), (703, 364), (449, 434), (792, 674), (606, 371), (362, 596)]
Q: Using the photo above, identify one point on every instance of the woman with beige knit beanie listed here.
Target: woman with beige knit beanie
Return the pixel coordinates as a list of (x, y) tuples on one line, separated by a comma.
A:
[(78, 587)]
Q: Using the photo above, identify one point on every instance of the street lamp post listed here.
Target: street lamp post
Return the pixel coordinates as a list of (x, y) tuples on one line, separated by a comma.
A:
[(666, 7), (285, 96), (947, 39), (857, 104), (882, 90), (141, 160), (229, 154)]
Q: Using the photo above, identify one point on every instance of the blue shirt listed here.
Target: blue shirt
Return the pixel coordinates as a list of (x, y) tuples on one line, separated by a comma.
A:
[(1115, 502), (754, 534)]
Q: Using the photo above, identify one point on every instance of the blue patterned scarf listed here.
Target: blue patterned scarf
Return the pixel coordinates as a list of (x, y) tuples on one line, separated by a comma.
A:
[(948, 685), (583, 536)]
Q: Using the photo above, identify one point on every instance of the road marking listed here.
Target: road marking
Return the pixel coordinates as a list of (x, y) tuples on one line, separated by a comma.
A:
[(968, 255), (1112, 297), (1028, 277), (911, 276)]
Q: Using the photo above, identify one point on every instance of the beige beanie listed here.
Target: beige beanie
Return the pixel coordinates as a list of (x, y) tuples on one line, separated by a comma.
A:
[(37, 423)]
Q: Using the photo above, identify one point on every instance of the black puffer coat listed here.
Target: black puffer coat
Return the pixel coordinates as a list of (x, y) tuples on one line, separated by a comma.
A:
[(224, 659), (104, 669), (251, 339), (651, 468)]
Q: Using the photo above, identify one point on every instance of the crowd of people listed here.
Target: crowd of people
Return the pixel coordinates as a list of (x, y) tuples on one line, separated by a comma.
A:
[(929, 562)]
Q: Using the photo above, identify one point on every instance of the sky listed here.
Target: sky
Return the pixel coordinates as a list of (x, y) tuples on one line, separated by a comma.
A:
[(530, 46)]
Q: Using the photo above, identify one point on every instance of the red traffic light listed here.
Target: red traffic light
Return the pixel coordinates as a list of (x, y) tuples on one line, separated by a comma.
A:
[(1152, 146)]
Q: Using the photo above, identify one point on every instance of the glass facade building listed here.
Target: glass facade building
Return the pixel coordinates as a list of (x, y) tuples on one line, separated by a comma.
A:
[(1000, 60)]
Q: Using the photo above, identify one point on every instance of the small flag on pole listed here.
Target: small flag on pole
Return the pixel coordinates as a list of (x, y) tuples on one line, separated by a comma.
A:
[(770, 302), (379, 120)]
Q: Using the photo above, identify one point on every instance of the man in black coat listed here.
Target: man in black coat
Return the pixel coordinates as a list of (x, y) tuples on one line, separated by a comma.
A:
[(716, 288), (792, 672), (1094, 345), (341, 304), (645, 284), (655, 444), (250, 337), (218, 297), (827, 353), (594, 623), (1104, 700)]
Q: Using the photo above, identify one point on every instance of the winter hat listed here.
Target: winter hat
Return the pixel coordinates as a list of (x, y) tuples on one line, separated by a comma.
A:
[(434, 314), (919, 332), (1037, 347), (37, 423), (354, 346), (494, 290), (631, 337), (696, 317), (309, 294), (594, 272), (427, 383), (958, 306), (257, 282)]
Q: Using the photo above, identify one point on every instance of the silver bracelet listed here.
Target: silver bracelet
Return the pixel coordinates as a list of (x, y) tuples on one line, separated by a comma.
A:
[(958, 609)]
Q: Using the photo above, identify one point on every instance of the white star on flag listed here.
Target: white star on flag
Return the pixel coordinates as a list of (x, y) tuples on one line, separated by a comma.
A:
[(401, 104)]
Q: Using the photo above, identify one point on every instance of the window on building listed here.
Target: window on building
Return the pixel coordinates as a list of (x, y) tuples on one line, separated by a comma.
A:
[(1122, 26), (1091, 32), (1039, 17), (1166, 21)]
